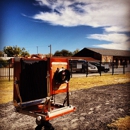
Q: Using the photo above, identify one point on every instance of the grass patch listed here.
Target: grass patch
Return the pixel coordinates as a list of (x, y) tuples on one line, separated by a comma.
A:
[(6, 90), (94, 81), (76, 83), (121, 124)]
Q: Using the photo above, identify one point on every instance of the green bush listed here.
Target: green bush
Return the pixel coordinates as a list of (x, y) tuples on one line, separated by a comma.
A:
[(3, 63)]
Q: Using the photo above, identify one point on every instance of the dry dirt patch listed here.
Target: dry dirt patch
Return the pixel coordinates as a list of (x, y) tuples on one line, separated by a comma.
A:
[(96, 107)]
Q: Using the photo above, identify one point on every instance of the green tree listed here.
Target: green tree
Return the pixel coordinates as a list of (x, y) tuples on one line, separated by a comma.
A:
[(25, 54), (3, 63), (57, 53), (1, 53), (63, 53), (76, 51), (15, 51)]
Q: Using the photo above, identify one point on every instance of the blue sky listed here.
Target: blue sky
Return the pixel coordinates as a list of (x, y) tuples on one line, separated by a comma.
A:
[(65, 24)]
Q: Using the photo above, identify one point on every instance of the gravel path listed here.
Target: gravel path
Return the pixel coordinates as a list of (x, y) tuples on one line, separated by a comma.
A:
[(95, 108)]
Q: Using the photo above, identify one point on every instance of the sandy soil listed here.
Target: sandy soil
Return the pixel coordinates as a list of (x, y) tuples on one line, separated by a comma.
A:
[(95, 108)]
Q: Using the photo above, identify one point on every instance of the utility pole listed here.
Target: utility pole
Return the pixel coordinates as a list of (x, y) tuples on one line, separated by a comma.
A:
[(37, 49), (50, 49)]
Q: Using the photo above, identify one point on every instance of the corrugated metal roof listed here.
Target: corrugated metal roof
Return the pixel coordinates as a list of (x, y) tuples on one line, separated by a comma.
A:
[(110, 52)]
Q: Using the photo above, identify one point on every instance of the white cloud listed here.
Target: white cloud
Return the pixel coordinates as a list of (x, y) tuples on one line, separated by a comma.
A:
[(116, 41), (112, 15), (119, 46), (117, 29), (95, 13), (111, 37)]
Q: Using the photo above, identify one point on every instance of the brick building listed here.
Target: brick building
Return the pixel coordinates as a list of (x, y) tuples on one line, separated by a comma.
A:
[(106, 55)]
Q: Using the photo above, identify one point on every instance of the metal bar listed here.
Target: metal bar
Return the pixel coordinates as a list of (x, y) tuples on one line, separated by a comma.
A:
[(86, 69), (71, 70), (112, 68), (9, 70), (100, 69), (123, 68)]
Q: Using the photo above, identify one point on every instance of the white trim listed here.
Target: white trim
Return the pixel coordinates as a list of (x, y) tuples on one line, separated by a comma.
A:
[(61, 63), (6, 58)]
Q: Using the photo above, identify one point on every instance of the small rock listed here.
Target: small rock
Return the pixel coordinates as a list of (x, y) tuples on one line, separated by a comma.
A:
[(98, 106), (91, 109), (82, 118), (70, 93), (90, 112), (86, 124), (74, 120), (120, 109), (83, 114), (65, 128), (107, 102), (74, 125)]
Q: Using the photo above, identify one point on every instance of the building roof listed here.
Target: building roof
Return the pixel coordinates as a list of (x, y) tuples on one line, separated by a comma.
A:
[(110, 52), (79, 58)]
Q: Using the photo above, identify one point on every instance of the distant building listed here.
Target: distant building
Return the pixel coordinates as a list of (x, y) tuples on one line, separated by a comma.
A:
[(38, 56), (106, 55)]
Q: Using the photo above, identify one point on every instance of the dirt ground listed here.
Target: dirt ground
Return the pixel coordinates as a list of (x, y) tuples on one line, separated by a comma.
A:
[(95, 108)]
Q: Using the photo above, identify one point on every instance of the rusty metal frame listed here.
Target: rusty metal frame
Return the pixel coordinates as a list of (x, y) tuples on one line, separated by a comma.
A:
[(47, 107)]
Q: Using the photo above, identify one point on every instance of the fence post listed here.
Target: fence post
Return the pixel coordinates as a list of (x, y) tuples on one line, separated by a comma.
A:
[(112, 68), (100, 68), (87, 69), (71, 70), (123, 67), (9, 68)]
